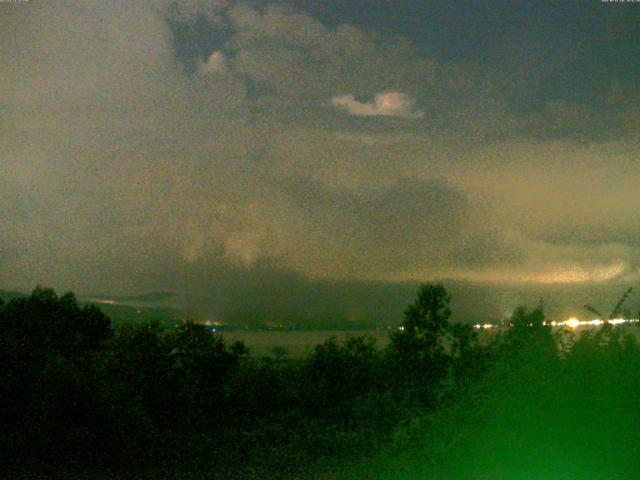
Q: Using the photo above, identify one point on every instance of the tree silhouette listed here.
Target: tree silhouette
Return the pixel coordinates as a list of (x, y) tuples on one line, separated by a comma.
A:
[(417, 346), (44, 321), (425, 322), (529, 335)]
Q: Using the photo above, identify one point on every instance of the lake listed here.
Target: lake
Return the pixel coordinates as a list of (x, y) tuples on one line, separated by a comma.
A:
[(297, 342)]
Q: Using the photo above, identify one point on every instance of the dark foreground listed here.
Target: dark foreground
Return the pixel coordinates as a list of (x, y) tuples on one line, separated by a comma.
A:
[(79, 400)]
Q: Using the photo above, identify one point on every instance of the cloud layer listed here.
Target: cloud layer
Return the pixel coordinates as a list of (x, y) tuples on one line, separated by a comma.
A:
[(390, 104), (152, 145)]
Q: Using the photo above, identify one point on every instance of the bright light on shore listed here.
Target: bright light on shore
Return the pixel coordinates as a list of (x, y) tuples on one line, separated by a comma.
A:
[(572, 322), (485, 326), (575, 323)]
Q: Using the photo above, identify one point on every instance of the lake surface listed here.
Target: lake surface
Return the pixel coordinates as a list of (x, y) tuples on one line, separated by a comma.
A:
[(297, 343)]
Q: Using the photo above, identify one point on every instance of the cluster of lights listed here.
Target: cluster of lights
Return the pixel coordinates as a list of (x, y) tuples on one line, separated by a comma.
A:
[(485, 326), (575, 323), (571, 323)]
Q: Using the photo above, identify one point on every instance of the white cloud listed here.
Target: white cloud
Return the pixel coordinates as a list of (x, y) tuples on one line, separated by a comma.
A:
[(294, 58), (390, 104), (216, 63)]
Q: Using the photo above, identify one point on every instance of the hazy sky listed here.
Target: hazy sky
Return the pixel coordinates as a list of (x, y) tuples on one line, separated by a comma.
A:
[(171, 144)]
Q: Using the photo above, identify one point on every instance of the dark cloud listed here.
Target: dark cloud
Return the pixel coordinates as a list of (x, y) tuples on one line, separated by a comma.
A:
[(174, 144), (615, 232)]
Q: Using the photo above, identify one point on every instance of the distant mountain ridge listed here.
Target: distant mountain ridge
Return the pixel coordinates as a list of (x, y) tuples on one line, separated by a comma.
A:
[(121, 308), (302, 303)]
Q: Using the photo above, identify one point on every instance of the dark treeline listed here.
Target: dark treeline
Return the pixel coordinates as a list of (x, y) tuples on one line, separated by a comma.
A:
[(80, 400)]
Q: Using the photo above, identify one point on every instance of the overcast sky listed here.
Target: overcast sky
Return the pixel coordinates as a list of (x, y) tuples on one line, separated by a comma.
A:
[(171, 144)]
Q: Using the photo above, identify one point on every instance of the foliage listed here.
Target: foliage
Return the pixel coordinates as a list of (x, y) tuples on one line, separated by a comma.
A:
[(45, 322), (417, 346), (79, 399), (528, 335), (425, 321)]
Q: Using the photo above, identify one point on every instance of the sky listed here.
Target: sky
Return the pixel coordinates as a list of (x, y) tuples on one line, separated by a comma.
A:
[(263, 148)]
